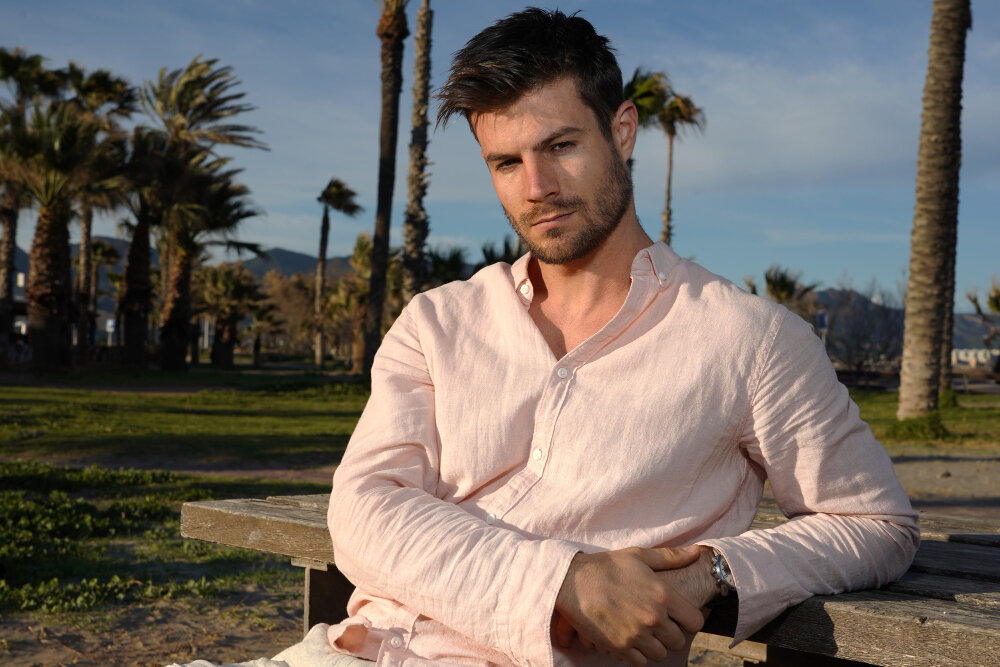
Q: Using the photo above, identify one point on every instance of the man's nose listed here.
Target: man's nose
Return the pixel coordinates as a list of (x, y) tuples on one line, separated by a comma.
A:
[(540, 179)]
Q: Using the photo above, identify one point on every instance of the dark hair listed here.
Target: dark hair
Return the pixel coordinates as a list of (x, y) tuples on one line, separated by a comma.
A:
[(525, 51)]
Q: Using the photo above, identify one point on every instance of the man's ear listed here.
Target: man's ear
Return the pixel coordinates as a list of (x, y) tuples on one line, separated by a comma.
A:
[(624, 128)]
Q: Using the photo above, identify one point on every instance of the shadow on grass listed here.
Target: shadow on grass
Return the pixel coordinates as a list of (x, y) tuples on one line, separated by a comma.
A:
[(180, 451), (913, 458)]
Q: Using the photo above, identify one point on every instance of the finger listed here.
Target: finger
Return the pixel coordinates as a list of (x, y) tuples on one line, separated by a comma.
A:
[(667, 558), (671, 637), (634, 657), (564, 632), (685, 614), (651, 647)]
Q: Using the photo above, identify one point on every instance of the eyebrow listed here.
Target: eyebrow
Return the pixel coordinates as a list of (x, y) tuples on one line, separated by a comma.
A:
[(558, 134)]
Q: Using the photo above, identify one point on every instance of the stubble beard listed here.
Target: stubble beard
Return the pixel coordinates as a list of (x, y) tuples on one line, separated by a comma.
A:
[(601, 217)]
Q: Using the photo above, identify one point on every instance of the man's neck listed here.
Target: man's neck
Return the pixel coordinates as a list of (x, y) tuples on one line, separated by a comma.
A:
[(589, 281), (573, 301)]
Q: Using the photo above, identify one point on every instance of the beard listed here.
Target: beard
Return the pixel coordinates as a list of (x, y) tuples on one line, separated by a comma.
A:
[(601, 216)]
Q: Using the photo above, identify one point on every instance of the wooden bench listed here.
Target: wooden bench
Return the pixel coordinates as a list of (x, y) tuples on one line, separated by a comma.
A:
[(944, 611)]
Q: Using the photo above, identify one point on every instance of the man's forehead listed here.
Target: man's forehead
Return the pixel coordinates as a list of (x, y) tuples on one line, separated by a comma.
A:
[(548, 104)]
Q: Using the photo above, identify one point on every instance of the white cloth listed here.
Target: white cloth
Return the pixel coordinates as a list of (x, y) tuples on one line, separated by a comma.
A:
[(313, 651)]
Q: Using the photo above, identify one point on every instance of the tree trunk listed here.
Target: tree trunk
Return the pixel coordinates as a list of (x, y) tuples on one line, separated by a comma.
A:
[(936, 211), (49, 289), (392, 31), (84, 316), (224, 343), (415, 227), (948, 321), (194, 342), (175, 318), (324, 233), (667, 234), (256, 349), (9, 208), (136, 294)]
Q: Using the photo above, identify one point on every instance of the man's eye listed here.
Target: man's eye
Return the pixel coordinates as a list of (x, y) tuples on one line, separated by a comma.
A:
[(506, 165), (562, 146)]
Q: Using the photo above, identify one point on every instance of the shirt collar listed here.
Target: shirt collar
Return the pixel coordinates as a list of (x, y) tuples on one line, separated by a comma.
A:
[(657, 260)]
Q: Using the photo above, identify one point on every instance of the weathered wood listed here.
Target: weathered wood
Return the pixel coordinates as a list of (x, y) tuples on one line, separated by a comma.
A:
[(326, 595), (261, 525), (945, 610)]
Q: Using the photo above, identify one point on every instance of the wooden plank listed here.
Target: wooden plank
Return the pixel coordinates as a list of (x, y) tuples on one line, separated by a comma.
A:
[(953, 559), (316, 500), (326, 595), (287, 530), (967, 591)]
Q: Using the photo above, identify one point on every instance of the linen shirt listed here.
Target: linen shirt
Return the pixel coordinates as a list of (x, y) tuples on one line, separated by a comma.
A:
[(482, 464)]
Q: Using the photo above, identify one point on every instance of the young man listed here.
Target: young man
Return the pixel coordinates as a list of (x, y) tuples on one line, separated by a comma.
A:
[(561, 458)]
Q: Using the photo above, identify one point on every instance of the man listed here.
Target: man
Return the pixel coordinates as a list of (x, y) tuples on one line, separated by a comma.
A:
[(561, 458)]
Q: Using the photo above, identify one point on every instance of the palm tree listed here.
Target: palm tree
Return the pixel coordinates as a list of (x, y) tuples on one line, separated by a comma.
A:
[(108, 98), (658, 103), (415, 226), (193, 109), (339, 197), (512, 249), (935, 215), (784, 286), (391, 30), (66, 149), (230, 293), (26, 81)]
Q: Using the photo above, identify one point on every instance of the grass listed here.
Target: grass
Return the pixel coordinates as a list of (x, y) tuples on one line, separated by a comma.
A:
[(72, 539), (973, 423), (296, 421)]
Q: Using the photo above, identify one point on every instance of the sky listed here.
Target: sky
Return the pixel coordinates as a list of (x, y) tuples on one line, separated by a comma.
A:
[(807, 160)]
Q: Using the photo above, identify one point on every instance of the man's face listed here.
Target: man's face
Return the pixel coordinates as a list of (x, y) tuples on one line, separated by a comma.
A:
[(562, 184)]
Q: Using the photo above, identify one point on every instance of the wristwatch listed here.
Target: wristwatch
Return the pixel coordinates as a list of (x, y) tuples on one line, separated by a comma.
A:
[(723, 575)]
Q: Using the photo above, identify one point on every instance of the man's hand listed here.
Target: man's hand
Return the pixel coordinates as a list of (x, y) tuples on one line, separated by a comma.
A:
[(620, 603)]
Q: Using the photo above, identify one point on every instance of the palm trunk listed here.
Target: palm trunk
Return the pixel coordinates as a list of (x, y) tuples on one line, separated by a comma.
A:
[(936, 211), (9, 208), (175, 318), (667, 234), (324, 233), (84, 315), (134, 301), (49, 289), (415, 227), (391, 30), (224, 343), (948, 321)]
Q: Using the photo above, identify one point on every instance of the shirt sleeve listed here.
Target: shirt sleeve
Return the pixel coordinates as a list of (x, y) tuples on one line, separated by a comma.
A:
[(394, 538), (851, 525)]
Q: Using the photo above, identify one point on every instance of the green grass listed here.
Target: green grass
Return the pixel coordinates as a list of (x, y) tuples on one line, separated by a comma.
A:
[(973, 423), (72, 539), (297, 422)]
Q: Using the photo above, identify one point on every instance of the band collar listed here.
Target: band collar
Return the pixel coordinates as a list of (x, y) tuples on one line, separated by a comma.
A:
[(657, 260)]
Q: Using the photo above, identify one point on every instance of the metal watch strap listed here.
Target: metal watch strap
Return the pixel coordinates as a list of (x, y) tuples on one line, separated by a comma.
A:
[(723, 575)]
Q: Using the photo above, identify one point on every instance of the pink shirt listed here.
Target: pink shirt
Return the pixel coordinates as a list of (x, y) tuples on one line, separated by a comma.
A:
[(482, 464)]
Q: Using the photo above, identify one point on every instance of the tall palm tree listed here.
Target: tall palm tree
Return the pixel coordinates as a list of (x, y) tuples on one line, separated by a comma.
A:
[(26, 81), (339, 197), (109, 99), (658, 103), (230, 293), (415, 226), (193, 109), (391, 30), (935, 215), (65, 149)]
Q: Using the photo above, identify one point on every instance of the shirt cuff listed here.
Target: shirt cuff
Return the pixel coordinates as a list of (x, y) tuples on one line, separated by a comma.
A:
[(528, 599), (763, 587)]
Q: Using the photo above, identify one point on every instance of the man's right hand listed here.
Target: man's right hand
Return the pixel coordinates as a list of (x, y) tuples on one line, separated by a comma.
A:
[(618, 604)]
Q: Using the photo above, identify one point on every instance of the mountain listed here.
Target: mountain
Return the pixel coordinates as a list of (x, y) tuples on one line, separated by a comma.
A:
[(289, 262)]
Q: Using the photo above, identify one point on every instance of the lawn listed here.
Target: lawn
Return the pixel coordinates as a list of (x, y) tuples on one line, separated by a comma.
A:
[(76, 538)]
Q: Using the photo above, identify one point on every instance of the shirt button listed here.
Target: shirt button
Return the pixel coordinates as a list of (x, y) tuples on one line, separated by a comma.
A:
[(537, 455), (562, 372), (490, 518), (661, 275), (395, 642), (525, 289)]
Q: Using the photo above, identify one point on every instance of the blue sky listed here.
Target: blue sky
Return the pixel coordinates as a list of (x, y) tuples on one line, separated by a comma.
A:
[(808, 158)]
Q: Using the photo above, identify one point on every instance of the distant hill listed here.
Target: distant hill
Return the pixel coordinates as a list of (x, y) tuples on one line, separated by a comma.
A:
[(289, 262)]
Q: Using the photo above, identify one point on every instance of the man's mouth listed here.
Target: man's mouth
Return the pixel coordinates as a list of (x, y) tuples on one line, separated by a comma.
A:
[(555, 219)]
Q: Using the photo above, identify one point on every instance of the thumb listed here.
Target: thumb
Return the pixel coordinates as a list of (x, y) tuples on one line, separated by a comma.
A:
[(668, 558)]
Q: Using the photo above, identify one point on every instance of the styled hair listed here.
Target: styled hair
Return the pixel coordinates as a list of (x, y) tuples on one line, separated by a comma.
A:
[(525, 51)]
